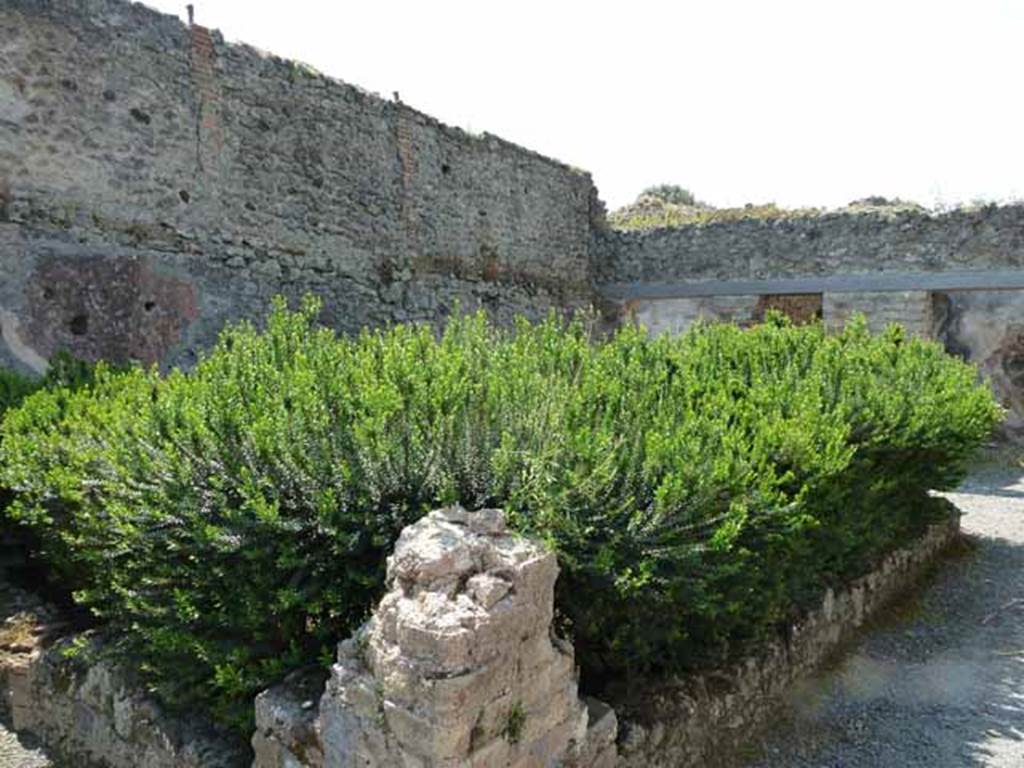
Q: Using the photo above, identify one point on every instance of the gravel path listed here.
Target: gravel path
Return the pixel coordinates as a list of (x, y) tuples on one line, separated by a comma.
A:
[(940, 683), (20, 751)]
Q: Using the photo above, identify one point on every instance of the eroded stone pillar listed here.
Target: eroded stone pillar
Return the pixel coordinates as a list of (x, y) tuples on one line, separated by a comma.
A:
[(457, 667)]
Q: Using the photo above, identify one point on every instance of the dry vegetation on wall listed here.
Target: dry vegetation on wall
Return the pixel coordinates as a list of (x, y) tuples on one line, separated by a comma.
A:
[(231, 523), (667, 206)]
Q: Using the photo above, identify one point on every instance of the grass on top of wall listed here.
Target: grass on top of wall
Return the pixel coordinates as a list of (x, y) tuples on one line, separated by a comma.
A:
[(651, 212), (231, 523)]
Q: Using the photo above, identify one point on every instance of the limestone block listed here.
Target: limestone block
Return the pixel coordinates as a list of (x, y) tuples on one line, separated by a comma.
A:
[(458, 667)]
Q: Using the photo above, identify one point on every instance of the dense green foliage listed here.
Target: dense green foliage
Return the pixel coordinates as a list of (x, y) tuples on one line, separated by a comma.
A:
[(14, 387), (232, 522), (64, 371)]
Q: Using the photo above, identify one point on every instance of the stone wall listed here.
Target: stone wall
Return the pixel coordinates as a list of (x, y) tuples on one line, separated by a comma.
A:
[(957, 277), (873, 241), (987, 327), (676, 315), (87, 710), (910, 309), (457, 667), (155, 182)]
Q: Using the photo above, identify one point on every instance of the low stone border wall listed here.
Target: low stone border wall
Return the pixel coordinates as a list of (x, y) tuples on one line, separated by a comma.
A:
[(698, 720), (461, 651), (88, 710)]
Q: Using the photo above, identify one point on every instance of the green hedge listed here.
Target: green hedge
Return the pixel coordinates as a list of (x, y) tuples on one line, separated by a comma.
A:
[(232, 523), (64, 371)]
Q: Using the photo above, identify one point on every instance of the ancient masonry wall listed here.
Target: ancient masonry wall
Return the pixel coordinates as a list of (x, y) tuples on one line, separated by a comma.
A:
[(841, 243), (669, 278), (86, 710), (156, 181)]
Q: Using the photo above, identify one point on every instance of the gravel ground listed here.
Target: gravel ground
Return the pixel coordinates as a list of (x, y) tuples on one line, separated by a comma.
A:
[(940, 681), (20, 751)]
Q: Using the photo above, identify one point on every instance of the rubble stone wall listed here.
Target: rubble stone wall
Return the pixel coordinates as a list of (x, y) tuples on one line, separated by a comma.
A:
[(156, 181), (873, 241), (86, 710), (910, 309)]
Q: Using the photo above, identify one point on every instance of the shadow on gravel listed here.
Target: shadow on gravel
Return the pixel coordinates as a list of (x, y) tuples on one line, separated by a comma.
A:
[(20, 750), (938, 680)]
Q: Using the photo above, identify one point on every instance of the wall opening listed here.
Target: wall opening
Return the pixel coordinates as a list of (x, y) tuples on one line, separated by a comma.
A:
[(801, 308), (79, 325)]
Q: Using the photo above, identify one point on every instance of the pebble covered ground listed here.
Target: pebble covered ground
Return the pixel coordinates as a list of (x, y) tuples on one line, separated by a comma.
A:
[(21, 751), (940, 682)]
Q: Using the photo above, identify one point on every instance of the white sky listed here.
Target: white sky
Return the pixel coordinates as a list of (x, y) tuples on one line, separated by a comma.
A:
[(800, 102)]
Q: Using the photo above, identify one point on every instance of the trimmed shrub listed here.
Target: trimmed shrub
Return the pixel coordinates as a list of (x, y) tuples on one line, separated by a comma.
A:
[(14, 387), (64, 372), (231, 523)]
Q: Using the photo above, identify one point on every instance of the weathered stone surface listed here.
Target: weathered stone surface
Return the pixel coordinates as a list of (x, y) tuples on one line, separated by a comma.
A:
[(676, 315), (844, 242), (987, 328), (286, 733), (457, 667), (910, 309), (87, 709), (106, 308), (156, 182)]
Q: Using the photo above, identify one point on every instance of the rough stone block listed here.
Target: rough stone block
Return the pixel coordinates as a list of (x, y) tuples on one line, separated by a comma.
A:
[(458, 667)]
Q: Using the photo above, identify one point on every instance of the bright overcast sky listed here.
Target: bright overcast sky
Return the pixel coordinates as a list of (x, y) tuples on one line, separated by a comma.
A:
[(800, 102)]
